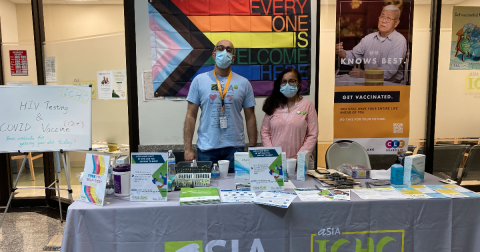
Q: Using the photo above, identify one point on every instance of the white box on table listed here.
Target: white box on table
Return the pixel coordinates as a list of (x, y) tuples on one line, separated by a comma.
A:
[(302, 164), (241, 165), (414, 169)]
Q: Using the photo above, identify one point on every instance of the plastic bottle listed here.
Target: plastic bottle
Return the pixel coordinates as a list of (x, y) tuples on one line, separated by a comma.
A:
[(171, 163), (215, 172), (396, 173)]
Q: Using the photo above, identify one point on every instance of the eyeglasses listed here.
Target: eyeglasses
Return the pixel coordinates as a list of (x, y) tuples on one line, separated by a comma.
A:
[(386, 19), (222, 47), (291, 82)]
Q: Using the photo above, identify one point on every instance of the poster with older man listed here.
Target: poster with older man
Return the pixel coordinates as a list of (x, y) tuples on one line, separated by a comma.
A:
[(372, 74)]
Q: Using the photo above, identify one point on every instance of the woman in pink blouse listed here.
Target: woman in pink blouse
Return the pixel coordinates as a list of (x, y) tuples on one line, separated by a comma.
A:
[(290, 120)]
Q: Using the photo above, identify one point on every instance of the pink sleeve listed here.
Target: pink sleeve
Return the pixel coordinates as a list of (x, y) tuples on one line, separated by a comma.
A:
[(312, 130), (265, 131)]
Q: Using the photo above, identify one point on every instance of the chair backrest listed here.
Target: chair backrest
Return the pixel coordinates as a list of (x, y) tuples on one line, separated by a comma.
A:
[(381, 162), (412, 148), (471, 169), (346, 151), (448, 158)]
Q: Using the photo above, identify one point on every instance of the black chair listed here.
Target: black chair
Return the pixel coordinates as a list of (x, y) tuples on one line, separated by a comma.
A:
[(471, 169), (447, 159), (412, 148), (381, 162)]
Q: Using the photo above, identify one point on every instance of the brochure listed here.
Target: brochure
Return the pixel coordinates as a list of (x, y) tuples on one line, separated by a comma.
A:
[(411, 192), (339, 194), (451, 191), (198, 196), (310, 194), (276, 199), (149, 180), (94, 182), (266, 170), (379, 193), (237, 196)]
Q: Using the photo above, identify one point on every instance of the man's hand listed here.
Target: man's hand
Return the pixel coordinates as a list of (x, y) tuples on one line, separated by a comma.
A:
[(357, 73), (339, 50), (189, 155)]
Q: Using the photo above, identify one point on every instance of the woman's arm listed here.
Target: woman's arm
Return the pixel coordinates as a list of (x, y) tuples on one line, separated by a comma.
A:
[(312, 130), (265, 131)]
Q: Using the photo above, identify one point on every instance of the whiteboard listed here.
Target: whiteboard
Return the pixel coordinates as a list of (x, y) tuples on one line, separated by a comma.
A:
[(45, 118)]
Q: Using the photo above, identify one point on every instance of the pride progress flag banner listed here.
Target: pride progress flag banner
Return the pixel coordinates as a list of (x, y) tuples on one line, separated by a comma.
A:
[(268, 36)]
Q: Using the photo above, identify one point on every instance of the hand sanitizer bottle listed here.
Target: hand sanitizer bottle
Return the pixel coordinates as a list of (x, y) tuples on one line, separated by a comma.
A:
[(396, 173)]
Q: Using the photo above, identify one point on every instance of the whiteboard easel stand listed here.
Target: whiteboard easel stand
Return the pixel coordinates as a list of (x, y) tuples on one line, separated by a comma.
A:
[(56, 182)]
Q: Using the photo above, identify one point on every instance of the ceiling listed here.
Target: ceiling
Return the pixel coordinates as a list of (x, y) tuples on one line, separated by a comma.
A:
[(71, 1)]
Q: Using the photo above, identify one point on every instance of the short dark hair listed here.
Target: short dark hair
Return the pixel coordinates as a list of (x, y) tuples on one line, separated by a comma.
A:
[(277, 99)]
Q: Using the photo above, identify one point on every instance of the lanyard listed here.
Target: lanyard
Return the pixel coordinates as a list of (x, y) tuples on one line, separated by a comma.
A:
[(224, 92)]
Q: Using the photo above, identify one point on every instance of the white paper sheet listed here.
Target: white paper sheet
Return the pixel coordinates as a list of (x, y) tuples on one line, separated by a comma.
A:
[(276, 199), (235, 196)]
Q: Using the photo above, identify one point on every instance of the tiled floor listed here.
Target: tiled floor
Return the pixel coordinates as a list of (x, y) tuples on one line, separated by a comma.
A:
[(29, 229), (26, 181)]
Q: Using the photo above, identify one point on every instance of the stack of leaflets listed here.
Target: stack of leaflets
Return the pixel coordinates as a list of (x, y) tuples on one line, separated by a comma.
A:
[(198, 196)]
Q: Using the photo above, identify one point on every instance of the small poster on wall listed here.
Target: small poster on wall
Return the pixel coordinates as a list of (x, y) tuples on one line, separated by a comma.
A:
[(94, 179), (50, 69), (18, 63), (119, 86), (465, 43), (104, 80), (112, 84)]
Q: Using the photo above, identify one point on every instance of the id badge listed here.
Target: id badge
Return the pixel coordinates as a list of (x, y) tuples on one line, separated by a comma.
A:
[(223, 122)]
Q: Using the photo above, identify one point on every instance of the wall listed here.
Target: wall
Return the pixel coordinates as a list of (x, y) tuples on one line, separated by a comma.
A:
[(457, 109), (161, 122), (85, 39), (8, 18)]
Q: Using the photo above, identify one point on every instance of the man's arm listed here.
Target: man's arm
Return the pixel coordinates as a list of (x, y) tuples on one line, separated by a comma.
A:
[(188, 130), (251, 125)]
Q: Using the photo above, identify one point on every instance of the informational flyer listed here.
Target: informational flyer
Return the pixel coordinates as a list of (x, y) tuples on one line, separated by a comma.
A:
[(379, 194), (236, 196), (372, 81), (18, 63), (340, 194), (149, 180), (119, 85), (465, 39), (266, 172), (276, 199), (451, 191), (310, 194), (50, 69), (428, 191), (94, 182), (104, 81), (412, 193)]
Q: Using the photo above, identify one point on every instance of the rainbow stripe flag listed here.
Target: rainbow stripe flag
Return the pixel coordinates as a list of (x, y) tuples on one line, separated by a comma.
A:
[(268, 35)]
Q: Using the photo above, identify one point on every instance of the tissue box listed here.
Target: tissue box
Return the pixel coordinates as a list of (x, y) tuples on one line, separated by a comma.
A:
[(241, 165), (302, 164), (414, 169)]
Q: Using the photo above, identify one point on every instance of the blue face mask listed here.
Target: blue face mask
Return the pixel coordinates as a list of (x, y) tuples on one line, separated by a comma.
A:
[(223, 59), (288, 91)]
